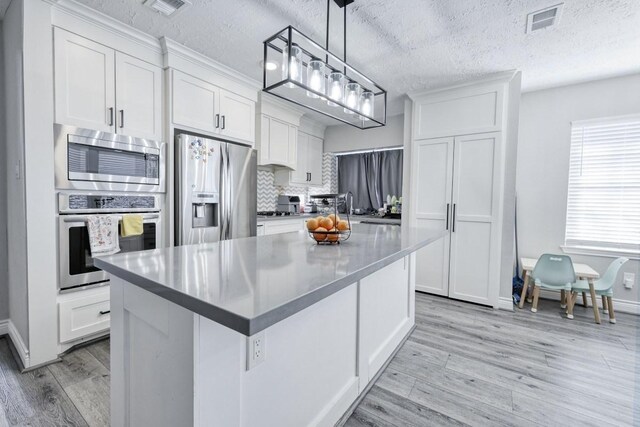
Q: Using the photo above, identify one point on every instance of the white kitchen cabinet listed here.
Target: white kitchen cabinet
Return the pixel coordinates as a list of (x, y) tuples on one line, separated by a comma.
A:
[(83, 313), (203, 106), (278, 143), (308, 169), (101, 89), (462, 182), (138, 98), (266, 228), (84, 82)]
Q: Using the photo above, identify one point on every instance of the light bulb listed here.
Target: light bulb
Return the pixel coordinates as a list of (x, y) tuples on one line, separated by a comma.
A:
[(366, 104), (335, 89), (292, 64), (352, 97), (315, 77)]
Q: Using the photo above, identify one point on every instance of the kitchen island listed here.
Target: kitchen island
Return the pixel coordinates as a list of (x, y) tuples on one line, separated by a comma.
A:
[(271, 330)]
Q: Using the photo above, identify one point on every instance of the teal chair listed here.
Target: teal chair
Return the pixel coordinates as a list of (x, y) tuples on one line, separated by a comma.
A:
[(603, 287), (554, 272)]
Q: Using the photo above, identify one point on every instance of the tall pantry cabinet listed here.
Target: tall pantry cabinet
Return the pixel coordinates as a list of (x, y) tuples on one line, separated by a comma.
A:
[(462, 182)]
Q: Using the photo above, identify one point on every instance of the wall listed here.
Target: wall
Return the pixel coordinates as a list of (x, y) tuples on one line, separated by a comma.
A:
[(14, 137), (268, 192), (348, 138), (543, 159), (4, 286)]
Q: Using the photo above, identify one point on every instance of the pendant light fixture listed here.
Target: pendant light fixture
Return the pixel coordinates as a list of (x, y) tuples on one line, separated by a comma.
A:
[(311, 76)]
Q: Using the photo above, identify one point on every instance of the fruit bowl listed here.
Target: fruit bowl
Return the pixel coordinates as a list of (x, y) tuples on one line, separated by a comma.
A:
[(328, 230)]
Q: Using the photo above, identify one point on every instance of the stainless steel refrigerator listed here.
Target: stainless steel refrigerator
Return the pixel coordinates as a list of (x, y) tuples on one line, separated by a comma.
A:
[(216, 190)]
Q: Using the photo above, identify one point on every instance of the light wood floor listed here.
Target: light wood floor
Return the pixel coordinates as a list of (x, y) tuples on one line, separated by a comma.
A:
[(463, 365)]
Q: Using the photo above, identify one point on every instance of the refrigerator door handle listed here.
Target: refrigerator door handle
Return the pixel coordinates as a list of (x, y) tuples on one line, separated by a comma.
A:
[(225, 190)]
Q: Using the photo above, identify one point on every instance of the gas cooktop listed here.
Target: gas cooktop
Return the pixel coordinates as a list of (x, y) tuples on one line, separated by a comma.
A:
[(275, 213)]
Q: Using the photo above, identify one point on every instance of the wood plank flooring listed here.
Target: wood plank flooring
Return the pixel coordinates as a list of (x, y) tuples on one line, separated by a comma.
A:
[(463, 365)]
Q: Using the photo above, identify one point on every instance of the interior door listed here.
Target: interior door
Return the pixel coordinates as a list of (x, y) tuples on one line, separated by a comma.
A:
[(195, 103), (473, 237), (301, 174), (238, 117), (433, 167), (84, 82), (314, 160), (138, 98)]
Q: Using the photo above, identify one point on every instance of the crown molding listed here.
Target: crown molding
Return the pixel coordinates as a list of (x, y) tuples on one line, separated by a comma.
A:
[(503, 77), (171, 47)]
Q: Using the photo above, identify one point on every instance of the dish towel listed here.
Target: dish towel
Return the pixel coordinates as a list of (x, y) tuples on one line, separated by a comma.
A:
[(103, 234), (132, 225)]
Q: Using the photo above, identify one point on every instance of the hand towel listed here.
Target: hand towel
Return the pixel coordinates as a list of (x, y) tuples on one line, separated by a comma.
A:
[(132, 225), (103, 234)]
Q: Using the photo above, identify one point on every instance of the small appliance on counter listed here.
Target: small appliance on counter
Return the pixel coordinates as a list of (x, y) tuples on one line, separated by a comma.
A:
[(310, 207), (288, 204)]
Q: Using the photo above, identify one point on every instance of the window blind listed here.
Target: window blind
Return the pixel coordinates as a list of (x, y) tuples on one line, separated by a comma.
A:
[(603, 204)]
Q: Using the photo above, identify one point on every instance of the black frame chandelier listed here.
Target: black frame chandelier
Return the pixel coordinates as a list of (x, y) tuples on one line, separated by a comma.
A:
[(299, 70)]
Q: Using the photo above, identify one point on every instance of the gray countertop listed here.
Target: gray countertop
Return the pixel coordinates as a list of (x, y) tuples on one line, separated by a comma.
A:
[(252, 283)]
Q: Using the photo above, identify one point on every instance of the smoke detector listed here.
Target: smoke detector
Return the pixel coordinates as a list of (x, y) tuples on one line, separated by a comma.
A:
[(544, 18), (167, 7)]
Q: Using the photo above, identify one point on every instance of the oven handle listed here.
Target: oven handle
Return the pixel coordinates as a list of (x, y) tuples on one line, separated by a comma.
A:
[(83, 218)]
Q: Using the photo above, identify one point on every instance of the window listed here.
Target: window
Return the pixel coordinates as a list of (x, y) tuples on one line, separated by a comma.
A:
[(603, 204)]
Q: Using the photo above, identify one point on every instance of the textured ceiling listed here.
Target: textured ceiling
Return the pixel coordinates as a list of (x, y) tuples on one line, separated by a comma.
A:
[(410, 45)]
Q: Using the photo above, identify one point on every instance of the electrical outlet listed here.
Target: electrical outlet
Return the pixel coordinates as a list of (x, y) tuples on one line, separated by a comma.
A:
[(629, 279), (256, 350)]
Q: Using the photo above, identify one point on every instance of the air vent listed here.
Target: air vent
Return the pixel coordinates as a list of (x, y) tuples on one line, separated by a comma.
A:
[(167, 7), (544, 18)]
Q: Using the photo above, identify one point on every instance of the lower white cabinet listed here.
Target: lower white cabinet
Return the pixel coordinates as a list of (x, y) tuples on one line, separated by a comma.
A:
[(83, 313), (266, 228)]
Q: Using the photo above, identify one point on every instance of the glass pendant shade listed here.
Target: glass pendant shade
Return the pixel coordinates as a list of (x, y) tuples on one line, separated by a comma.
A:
[(352, 97), (366, 104), (315, 77), (292, 63), (335, 89)]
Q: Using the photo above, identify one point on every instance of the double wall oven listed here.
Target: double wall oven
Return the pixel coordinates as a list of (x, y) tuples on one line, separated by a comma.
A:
[(98, 173)]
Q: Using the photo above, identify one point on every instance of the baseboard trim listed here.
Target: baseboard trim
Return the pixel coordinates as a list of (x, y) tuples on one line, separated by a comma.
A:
[(505, 303), (21, 351), (621, 306)]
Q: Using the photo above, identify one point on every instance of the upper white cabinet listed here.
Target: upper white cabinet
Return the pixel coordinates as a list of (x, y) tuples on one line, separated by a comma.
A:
[(308, 170), (278, 136), (462, 182), (203, 106), (99, 88)]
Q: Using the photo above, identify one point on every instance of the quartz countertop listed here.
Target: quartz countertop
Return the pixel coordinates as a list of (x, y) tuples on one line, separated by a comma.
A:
[(252, 283)]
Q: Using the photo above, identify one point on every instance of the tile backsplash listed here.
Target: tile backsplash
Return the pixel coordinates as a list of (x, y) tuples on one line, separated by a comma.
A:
[(268, 192)]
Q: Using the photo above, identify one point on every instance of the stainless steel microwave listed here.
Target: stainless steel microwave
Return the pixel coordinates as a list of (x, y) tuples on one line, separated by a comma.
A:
[(94, 160)]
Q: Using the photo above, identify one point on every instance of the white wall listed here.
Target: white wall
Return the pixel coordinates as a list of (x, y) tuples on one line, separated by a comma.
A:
[(14, 137), (543, 163), (348, 138), (4, 289)]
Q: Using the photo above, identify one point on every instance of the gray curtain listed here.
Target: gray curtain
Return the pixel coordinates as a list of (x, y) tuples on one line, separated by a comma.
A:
[(370, 177)]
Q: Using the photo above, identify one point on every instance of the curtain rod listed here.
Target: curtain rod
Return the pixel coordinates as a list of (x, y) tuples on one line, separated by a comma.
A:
[(346, 153)]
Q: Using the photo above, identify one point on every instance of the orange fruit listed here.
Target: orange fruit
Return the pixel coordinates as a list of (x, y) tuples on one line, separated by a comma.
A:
[(312, 224), (333, 237), (320, 237), (326, 223), (335, 218), (343, 225)]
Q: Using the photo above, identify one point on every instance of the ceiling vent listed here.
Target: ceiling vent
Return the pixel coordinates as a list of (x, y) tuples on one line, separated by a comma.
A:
[(544, 18), (167, 7)]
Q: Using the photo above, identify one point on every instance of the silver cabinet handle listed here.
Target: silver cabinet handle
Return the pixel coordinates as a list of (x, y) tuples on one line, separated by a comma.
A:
[(110, 116), (121, 119), (453, 219), (217, 121), (447, 226), (223, 122)]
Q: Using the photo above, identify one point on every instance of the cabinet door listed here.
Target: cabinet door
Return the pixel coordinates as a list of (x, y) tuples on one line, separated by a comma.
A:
[(473, 228), (432, 172), (84, 82), (195, 103), (138, 98), (314, 160), (301, 174), (237, 120)]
